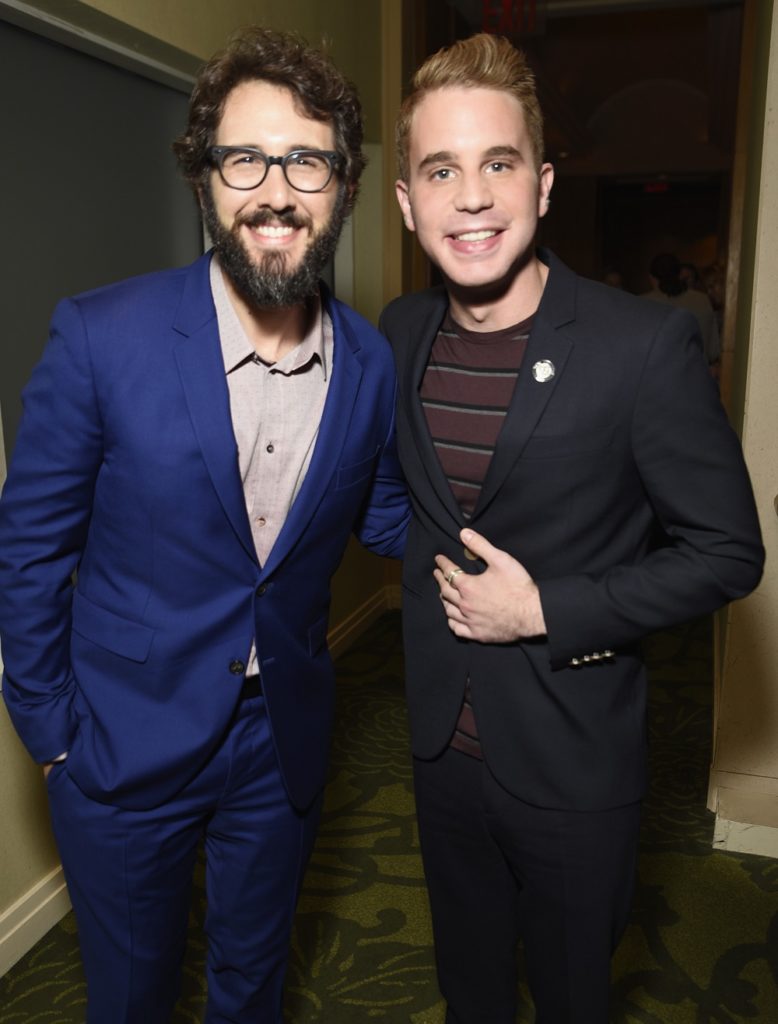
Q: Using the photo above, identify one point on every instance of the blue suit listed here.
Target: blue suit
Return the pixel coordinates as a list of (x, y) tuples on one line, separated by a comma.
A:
[(126, 472)]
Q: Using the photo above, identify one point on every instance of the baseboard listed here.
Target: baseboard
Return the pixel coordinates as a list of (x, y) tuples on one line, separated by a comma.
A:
[(27, 921), (739, 837), (343, 634)]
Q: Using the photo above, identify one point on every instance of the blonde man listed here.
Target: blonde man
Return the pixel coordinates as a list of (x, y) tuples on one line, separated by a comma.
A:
[(575, 486)]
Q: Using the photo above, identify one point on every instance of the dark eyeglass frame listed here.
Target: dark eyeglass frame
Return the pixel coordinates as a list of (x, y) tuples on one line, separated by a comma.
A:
[(218, 154)]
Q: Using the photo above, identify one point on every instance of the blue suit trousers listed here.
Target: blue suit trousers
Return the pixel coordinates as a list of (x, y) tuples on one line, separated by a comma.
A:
[(129, 873)]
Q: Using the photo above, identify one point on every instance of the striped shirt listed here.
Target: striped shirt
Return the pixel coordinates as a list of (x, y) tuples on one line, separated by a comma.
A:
[(466, 391)]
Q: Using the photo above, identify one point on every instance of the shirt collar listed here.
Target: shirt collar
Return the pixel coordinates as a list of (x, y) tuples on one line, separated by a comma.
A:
[(237, 349)]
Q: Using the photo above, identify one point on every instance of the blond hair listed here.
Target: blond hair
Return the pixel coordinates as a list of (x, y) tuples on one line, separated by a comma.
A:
[(483, 61)]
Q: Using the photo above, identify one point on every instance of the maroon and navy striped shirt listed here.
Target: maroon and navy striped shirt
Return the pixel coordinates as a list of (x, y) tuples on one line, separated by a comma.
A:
[(466, 391)]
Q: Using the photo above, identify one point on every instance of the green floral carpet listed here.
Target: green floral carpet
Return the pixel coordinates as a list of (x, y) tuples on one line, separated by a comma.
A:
[(702, 947)]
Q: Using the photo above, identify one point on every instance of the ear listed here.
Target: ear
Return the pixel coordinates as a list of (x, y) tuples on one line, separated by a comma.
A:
[(199, 191), (350, 196), (544, 188), (404, 199)]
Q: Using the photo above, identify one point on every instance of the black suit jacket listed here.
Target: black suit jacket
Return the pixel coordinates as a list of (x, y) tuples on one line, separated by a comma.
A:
[(621, 487)]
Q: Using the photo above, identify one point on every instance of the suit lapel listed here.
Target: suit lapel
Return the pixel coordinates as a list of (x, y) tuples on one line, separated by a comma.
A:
[(333, 430), (529, 400), (548, 343), (421, 337), (201, 368)]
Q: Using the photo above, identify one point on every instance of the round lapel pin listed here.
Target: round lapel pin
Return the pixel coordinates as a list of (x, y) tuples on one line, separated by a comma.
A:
[(543, 370)]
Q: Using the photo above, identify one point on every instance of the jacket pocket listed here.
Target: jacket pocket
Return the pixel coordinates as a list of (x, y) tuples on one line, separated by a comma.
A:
[(565, 445), (107, 629)]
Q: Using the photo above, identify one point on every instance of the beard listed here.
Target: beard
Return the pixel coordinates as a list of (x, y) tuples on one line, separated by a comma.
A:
[(267, 283)]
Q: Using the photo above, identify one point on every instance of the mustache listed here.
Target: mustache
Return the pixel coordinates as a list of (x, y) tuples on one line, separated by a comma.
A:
[(285, 218)]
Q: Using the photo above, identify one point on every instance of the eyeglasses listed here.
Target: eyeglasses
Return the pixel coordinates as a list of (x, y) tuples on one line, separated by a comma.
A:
[(306, 170)]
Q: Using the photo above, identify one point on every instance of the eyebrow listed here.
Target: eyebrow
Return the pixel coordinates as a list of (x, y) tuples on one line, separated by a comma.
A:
[(502, 151), (260, 149), (446, 156)]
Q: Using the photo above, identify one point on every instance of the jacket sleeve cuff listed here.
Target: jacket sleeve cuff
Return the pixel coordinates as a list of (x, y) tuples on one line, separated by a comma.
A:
[(46, 728), (576, 627)]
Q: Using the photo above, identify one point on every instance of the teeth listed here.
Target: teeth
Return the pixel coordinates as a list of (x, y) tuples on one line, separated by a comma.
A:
[(274, 232), (475, 236)]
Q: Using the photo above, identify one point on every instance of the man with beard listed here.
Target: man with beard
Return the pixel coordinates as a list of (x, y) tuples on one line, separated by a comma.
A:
[(198, 445)]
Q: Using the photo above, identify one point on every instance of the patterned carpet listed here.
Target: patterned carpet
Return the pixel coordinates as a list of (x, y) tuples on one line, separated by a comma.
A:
[(702, 947)]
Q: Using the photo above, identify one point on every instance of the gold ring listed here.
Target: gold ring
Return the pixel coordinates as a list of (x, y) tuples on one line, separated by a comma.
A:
[(451, 576)]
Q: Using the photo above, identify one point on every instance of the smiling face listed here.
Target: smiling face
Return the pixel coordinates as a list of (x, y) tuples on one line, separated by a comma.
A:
[(272, 241), (474, 194)]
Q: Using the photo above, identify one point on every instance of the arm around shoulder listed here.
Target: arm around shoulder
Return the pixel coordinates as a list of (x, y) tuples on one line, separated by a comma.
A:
[(383, 524)]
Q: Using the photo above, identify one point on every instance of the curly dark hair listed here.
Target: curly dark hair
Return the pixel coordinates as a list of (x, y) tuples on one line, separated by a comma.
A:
[(283, 59)]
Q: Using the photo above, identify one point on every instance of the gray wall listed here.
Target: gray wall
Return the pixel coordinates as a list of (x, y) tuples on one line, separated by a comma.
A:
[(89, 191)]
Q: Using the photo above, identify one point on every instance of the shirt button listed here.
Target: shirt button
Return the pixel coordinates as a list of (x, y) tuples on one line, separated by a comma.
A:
[(260, 521), (237, 667), (270, 449)]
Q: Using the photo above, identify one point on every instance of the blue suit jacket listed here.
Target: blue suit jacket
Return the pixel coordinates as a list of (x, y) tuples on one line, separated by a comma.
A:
[(126, 471)]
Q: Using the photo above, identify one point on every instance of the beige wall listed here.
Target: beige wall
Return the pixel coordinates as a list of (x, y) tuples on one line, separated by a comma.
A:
[(27, 851), (745, 770), (368, 237), (351, 30)]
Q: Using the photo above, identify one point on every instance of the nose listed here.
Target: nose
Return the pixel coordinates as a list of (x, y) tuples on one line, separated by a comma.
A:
[(474, 193), (275, 191)]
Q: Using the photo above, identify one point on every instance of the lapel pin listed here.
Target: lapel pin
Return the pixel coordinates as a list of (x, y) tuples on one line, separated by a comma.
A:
[(543, 370)]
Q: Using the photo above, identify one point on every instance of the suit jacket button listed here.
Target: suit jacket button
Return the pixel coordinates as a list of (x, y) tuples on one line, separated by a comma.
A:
[(261, 589), (237, 667)]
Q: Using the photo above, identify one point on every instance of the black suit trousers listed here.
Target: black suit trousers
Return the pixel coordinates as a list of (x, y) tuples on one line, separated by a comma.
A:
[(499, 871)]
